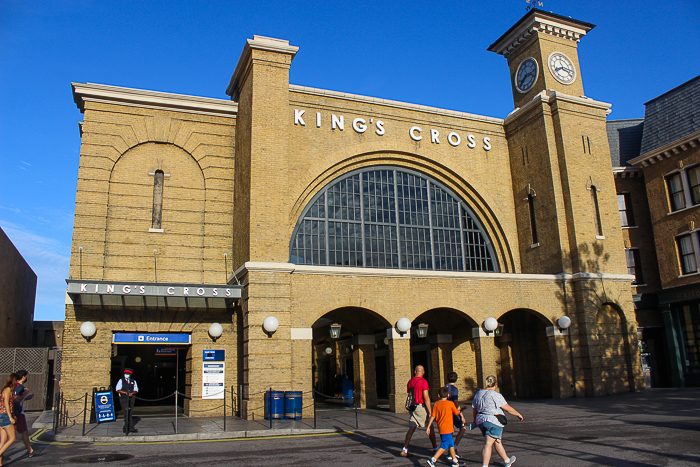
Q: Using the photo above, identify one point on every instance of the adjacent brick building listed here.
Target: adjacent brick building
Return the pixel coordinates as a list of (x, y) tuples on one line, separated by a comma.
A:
[(18, 292), (320, 208), (658, 183)]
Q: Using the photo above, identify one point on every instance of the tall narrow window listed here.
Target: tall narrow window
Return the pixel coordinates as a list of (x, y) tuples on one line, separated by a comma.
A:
[(158, 178), (675, 191), (533, 222), (624, 205), (586, 144), (596, 208), (686, 251), (634, 266), (694, 184)]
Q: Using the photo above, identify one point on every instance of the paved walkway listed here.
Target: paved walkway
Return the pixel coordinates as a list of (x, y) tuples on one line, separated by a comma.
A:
[(164, 428), (660, 408)]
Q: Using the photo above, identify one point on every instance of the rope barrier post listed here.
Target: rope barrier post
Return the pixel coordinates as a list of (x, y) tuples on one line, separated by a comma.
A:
[(55, 411), (176, 393), (313, 396), (269, 407), (64, 413), (224, 410), (240, 401), (354, 403), (84, 412)]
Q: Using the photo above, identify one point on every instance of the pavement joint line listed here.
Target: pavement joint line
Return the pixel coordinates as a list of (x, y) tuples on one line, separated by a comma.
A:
[(222, 440)]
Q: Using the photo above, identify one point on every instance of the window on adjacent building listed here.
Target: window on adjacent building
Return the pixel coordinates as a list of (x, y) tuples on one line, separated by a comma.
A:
[(158, 179), (624, 205), (687, 253), (634, 266), (385, 217), (694, 184), (675, 191), (596, 208), (533, 222)]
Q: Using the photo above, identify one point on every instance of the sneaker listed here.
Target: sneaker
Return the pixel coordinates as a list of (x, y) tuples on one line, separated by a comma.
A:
[(510, 461), (404, 453), (458, 464), (449, 457), (431, 462)]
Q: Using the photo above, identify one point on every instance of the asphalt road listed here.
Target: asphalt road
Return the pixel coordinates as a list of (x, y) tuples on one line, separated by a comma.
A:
[(656, 428)]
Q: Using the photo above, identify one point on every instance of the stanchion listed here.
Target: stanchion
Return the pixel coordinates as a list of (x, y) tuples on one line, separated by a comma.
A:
[(269, 407), (55, 411), (63, 411), (313, 396), (354, 403), (176, 394), (84, 412), (224, 410)]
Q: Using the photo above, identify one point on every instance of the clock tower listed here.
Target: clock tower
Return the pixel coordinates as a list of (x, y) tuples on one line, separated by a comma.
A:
[(542, 54)]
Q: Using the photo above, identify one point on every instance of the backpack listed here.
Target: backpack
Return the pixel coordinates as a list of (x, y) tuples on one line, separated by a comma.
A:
[(410, 400)]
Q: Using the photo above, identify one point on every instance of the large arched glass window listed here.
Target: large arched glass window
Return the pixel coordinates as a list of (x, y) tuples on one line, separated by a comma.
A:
[(390, 218)]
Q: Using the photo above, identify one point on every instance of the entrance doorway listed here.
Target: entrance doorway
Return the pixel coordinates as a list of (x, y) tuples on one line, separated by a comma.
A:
[(157, 370)]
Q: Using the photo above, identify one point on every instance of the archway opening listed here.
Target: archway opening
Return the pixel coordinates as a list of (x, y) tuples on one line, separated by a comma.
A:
[(526, 362), (351, 357), (447, 346)]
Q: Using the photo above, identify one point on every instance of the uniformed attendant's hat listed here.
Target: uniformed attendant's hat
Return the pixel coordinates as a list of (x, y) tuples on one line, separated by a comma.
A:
[(128, 370)]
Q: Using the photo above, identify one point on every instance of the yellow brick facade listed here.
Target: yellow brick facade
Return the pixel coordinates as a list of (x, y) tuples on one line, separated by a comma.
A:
[(238, 177)]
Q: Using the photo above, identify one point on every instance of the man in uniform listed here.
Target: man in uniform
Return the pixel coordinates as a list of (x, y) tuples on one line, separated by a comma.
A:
[(127, 388)]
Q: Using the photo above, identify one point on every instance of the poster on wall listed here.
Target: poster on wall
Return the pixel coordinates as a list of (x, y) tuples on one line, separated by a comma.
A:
[(213, 374)]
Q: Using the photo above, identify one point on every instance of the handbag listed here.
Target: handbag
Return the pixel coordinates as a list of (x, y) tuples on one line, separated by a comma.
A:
[(502, 419)]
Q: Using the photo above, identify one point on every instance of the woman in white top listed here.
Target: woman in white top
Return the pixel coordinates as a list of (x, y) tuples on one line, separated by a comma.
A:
[(487, 404)]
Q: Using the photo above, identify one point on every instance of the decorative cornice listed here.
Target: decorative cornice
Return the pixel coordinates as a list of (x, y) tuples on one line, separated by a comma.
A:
[(550, 96), (290, 268), (539, 22), (393, 104), (664, 152), (258, 43), (91, 92), (628, 172)]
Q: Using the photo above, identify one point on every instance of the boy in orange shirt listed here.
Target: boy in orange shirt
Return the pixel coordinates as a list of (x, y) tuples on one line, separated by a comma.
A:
[(443, 411)]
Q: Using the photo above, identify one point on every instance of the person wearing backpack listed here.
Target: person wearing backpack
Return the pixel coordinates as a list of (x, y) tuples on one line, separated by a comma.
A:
[(418, 389), (487, 408)]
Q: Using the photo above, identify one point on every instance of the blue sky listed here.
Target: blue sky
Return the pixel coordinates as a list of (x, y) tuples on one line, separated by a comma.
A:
[(430, 53)]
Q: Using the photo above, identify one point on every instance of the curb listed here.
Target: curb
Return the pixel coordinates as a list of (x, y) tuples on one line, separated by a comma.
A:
[(188, 436)]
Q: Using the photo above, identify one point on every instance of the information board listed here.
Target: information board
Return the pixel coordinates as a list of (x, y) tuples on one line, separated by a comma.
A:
[(213, 375), (104, 406)]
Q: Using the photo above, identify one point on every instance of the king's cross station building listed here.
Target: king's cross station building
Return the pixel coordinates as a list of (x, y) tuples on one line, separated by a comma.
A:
[(315, 237)]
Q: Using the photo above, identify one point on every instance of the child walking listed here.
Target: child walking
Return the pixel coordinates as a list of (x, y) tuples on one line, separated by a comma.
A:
[(443, 412), (458, 420)]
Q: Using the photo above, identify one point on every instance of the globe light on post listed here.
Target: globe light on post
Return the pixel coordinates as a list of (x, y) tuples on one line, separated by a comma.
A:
[(88, 330), (215, 331), (403, 325), (270, 325), (490, 324), (564, 322)]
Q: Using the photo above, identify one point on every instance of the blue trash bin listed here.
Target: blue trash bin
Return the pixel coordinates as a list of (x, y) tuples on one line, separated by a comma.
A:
[(274, 404), (292, 405), (348, 393)]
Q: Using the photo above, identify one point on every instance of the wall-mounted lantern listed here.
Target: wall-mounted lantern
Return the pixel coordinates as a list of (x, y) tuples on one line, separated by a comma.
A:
[(422, 331), (335, 330)]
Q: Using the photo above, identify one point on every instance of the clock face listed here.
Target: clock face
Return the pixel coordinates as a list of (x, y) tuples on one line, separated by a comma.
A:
[(526, 75), (562, 68)]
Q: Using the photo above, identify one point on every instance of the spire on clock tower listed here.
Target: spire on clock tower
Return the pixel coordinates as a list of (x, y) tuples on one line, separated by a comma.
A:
[(542, 54)]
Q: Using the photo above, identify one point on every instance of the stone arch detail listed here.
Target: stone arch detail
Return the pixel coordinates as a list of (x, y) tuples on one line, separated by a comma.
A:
[(133, 250)]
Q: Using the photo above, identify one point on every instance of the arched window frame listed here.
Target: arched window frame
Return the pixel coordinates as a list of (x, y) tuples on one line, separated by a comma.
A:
[(465, 214)]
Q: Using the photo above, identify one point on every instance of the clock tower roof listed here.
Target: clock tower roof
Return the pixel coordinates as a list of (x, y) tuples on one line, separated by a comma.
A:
[(542, 22)]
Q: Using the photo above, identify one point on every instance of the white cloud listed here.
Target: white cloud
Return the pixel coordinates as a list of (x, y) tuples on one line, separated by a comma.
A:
[(49, 259)]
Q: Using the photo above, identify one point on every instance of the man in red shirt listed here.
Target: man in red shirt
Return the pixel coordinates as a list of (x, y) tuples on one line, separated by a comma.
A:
[(419, 417)]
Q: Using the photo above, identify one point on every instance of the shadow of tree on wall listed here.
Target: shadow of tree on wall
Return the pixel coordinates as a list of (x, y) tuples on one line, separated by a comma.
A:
[(600, 332)]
